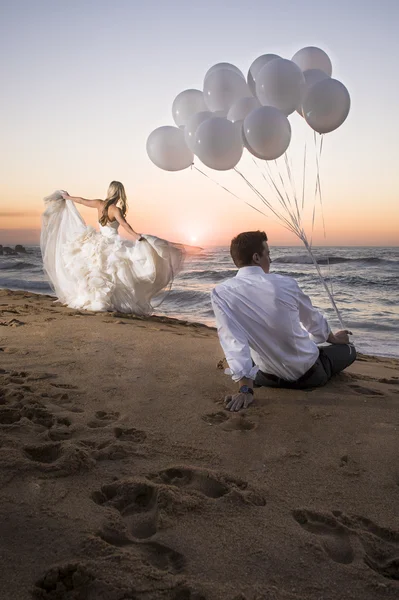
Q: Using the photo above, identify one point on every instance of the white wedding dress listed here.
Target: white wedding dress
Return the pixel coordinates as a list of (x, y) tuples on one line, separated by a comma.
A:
[(100, 271)]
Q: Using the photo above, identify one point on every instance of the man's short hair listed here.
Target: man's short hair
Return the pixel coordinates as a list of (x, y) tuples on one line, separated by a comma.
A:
[(245, 245)]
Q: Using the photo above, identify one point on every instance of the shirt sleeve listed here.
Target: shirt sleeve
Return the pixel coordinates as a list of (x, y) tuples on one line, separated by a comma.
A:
[(312, 319), (233, 340)]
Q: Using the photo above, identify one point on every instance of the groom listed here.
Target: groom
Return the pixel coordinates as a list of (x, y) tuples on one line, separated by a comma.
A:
[(269, 329)]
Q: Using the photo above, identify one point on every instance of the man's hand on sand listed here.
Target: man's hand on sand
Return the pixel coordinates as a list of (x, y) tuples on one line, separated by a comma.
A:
[(238, 401), (341, 337)]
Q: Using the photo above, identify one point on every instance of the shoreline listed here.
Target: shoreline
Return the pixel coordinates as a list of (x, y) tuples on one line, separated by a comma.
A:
[(163, 319)]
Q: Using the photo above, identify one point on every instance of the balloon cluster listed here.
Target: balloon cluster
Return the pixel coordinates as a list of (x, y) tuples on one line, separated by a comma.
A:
[(233, 113)]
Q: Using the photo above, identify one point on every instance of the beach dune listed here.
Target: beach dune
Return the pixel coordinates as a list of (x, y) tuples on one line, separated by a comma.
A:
[(122, 477)]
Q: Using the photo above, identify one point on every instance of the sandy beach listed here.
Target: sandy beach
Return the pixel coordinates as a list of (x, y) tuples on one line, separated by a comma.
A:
[(123, 477)]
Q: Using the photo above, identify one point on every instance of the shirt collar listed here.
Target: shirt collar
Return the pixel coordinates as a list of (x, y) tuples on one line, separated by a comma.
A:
[(251, 270)]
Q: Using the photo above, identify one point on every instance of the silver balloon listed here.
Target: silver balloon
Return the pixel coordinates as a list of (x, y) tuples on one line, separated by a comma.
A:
[(186, 104), (267, 132), (256, 66), (326, 105), (219, 144), (224, 65), (313, 58), (167, 149), (311, 76), (280, 83), (192, 125), (242, 108), (223, 88)]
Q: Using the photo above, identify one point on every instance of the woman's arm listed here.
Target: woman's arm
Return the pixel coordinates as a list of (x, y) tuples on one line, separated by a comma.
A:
[(122, 221), (90, 203)]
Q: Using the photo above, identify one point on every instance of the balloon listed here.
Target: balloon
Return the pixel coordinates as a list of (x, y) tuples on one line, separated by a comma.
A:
[(311, 76), (224, 66), (219, 144), (280, 83), (223, 88), (313, 58), (267, 132), (242, 108), (256, 66), (186, 104), (251, 150), (220, 113), (326, 105), (168, 150), (192, 125)]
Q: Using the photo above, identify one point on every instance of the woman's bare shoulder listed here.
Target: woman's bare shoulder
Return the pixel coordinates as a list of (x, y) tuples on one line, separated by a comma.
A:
[(114, 210)]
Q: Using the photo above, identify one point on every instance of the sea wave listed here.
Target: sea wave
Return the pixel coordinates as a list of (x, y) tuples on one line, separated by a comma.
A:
[(26, 284), (304, 259), (208, 274), (17, 266)]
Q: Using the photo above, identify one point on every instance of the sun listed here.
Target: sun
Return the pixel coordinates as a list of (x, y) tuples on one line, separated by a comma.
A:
[(193, 238)]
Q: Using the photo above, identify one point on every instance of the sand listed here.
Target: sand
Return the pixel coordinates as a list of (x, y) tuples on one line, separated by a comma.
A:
[(123, 477)]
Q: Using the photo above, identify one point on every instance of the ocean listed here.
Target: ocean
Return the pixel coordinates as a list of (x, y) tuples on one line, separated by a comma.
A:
[(365, 284)]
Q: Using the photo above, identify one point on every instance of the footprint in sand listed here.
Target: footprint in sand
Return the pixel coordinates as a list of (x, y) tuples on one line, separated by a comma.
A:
[(126, 442), (207, 484), (235, 422), (335, 538), (139, 502), (47, 453), (191, 479), (130, 434), (62, 458), (365, 391), (12, 323), (64, 386), (102, 419), (86, 579), (136, 502), (380, 545)]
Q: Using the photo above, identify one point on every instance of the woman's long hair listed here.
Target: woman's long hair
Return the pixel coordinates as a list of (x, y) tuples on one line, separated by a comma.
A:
[(116, 195)]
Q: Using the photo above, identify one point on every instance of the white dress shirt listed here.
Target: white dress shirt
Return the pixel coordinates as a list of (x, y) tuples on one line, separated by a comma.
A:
[(266, 319)]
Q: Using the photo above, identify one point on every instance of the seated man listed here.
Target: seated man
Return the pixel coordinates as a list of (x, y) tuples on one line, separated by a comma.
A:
[(269, 329)]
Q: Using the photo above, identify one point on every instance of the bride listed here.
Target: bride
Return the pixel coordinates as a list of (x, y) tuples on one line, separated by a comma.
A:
[(100, 271)]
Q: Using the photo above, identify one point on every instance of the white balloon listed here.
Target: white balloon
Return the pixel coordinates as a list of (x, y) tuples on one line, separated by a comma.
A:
[(242, 108), (267, 132), (220, 113), (223, 88), (280, 83), (168, 150), (311, 76), (186, 104), (223, 66), (219, 144), (251, 150), (326, 105), (313, 58), (192, 125), (256, 66)]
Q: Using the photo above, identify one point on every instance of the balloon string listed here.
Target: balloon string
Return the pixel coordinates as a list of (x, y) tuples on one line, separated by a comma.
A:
[(227, 190), (304, 178), (318, 159), (330, 295), (265, 201), (298, 230), (273, 186), (293, 226)]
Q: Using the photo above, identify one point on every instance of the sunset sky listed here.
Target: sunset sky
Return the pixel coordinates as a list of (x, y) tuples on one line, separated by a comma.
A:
[(84, 82)]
